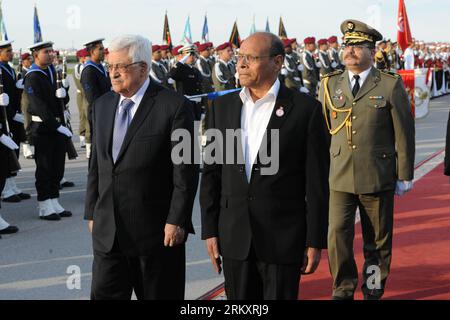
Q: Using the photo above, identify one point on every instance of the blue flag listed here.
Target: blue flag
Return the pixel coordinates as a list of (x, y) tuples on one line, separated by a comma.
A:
[(205, 32), (37, 27), (187, 36)]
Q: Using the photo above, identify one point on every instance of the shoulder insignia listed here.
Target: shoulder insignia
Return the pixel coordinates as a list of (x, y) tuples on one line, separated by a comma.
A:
[(391, 74), (334, 73)]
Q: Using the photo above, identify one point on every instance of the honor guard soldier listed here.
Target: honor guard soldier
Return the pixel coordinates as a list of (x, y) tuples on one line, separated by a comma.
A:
[(49, 136), (381, 57), (95, 81), (368, 115), (158, 71), (12, 88), (82, 56), (311, 71), (165, 56), (224, 72), (27, 146), (188, 79), (333, 53), (324, 59), (204, 67), (291, 71)]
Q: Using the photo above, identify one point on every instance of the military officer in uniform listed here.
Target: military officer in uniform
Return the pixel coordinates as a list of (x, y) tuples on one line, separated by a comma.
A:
[(82, 56), (49, 135), (291, 72), (165, 56), (95, 81), (158, 71), (333, 53), (372, 158), (188, 79), (204, 67), (381, 57), (12, 88), (324, 59), (224, 72), (28, 148), (311, 69)]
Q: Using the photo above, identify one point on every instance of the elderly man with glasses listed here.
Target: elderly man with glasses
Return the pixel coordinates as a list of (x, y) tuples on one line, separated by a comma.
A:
[(139, 201)]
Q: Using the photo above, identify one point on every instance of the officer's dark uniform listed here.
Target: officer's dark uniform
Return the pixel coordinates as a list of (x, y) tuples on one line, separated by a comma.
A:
[(50, 145)]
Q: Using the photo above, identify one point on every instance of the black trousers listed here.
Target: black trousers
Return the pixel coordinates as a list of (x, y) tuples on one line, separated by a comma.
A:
[(2, 185), (160, 276), (50, 158), (256, 280)]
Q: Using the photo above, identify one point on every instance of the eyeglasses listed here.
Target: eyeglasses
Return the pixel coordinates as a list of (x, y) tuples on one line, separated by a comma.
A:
[(249, 59), (121, 67)]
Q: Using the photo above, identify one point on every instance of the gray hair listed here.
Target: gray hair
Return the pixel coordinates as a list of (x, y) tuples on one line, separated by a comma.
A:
[(139, 48)]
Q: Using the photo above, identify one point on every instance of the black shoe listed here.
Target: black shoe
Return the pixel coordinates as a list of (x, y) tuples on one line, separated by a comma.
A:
[(9, 230), (24, 196), (12, 199), (52, 217), (67, 184), (342, 298), (371, 297), (65, 214)]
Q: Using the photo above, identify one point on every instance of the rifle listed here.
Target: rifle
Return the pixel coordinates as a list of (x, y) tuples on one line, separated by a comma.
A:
[(20, 67), (71, 152), (13, 163)]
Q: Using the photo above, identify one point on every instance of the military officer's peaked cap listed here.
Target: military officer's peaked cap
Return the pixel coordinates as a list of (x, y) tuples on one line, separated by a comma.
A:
[(90, 43), (4, 44), (40, 45), (357, 32)]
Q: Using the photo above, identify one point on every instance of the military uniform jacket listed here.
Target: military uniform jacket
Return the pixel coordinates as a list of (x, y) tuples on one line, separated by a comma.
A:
[(159, 73), (334, 57), (293, 79), (382, 134), (310, 71), (9, 87), (95, 81), (224, 76), (40, 87), (381, 60), (188, 79), (4, 172), (326, 64), (204, 67)]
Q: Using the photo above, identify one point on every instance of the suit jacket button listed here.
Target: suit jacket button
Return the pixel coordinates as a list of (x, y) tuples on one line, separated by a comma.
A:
[(251, 198), (354, 117), (354, 147)]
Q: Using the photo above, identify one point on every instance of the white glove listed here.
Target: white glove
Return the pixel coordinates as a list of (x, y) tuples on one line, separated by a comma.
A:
[(65, 83), (67, 115), (334, 65), (19, 84), (403, 187), (170, 81), (300, 67), (196, 100), (284, 72), (4, 100), (65, 131), (8, 142), (236, 76), (19, 118), (61, 93), (185, 58), (319, 64), (304, 90)]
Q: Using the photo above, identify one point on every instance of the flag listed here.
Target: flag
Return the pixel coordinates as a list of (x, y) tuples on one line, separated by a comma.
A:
[(235, 39), (205, 31), (3, 33), (282, 30), (267, 25), (404, 38), (37, 27), (187, 36), (253, 28), (167, 38)]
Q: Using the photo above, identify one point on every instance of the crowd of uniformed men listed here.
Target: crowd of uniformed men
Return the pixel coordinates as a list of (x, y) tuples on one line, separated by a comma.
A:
[(34, 111)]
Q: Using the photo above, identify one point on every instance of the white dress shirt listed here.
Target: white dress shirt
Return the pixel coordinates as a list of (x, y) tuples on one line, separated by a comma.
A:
[(255, 118), (137, 98), (362, 77), (408, 57)]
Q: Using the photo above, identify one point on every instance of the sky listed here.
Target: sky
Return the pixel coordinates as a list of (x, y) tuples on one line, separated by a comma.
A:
[(70, 23)]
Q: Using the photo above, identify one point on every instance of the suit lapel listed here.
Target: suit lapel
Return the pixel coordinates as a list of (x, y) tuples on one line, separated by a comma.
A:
[(108, 123), (344, 85), (371, 82), (142, 112)]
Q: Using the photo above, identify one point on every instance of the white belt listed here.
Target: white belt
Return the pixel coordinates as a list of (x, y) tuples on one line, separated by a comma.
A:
[(306, 81), (38, 119)]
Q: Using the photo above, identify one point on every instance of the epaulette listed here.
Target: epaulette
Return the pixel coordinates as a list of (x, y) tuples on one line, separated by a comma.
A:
[(391, 74), (334, 73)]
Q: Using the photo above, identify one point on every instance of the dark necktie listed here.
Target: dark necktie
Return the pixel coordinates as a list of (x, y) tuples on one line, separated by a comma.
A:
[(121, 124), (356, 87)]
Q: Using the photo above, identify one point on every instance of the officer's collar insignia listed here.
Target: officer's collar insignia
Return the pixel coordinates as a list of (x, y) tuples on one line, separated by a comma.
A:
[(339, 91)]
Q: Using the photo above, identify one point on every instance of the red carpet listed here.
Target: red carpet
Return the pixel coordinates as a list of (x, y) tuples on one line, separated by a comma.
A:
[(421, 249)]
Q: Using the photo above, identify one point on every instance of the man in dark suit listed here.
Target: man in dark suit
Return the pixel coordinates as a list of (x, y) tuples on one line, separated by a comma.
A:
[(268, 228), (139, 203)]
